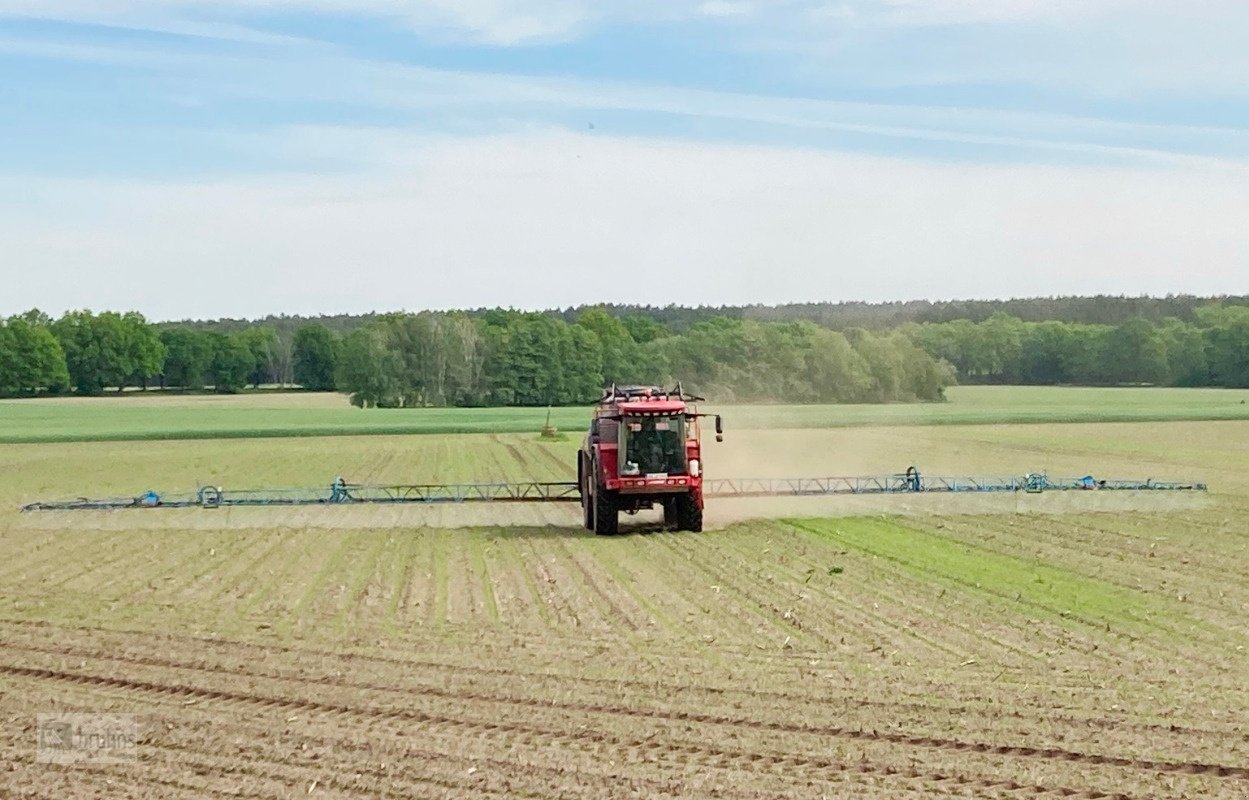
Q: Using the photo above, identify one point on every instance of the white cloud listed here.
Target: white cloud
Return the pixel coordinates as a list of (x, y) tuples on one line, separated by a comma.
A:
[(505, 22), (956, 12), (1098, 48), (495, 21), (1090, 47), (978, 11), (492, 21), (725, 8), (490, 102), (549, 219)]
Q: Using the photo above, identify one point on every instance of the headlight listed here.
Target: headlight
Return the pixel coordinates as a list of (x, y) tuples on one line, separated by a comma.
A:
[(696, 467)]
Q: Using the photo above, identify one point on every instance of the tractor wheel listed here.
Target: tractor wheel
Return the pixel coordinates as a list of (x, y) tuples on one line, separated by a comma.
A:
[(606, 515), (670, 512), (689, 515), (587, 511), (583, 487)]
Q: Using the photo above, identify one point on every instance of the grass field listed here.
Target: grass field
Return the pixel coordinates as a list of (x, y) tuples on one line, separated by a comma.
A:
[(135, 416), (797, 649)]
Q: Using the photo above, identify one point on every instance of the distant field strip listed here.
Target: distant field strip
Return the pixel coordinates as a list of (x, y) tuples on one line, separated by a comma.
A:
[(136, 416)]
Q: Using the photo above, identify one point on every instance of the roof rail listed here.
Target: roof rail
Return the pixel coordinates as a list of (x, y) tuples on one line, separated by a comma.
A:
[(624, 393)]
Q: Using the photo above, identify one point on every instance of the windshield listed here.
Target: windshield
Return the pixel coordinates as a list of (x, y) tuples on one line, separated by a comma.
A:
[(654, 446)]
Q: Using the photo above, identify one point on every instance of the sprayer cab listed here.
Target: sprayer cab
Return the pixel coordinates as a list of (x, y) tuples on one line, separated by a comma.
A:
[(643, 449)]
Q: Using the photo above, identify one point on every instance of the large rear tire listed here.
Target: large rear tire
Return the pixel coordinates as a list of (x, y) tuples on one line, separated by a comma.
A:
[(670, 512), (606, 515), (689, 515)]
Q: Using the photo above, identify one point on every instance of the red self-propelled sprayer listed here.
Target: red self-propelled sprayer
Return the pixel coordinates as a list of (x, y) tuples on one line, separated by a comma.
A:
[(643, 450)]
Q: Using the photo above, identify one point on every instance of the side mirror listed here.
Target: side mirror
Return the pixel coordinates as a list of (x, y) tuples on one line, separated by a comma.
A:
[(719, 429)]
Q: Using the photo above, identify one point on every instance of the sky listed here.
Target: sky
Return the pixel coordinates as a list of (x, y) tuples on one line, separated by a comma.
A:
[(197, 159)]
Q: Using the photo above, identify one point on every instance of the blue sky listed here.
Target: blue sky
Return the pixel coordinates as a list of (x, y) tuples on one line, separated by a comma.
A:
[(194, 158)]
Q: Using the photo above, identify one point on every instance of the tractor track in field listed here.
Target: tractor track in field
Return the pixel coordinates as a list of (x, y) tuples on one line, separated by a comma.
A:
[(361, 753), (417, 767), (560, 465), (900, 739), (515, 452), (1049, 714), (682, 753), (112, 785), (657, 787), (284, 773)]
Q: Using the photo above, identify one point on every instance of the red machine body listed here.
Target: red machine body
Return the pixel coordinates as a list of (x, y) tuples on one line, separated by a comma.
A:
[(643, 449)]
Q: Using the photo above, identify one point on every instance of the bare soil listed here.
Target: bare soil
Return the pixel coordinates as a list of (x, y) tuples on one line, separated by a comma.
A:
[(538, 663)]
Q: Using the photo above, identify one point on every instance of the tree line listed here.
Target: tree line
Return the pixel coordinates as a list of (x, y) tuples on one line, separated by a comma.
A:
[(90, 353), (1212, 350), (843, 316), (504, 357), (457, 359), (515, 358)]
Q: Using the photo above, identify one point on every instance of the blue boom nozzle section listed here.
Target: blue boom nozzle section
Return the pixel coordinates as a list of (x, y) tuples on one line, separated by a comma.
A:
[(342, 492)]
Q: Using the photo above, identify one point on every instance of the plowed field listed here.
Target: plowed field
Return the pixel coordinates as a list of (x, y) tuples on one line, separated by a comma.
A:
[(456, 652)]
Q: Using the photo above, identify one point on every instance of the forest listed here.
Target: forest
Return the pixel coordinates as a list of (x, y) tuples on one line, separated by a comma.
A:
[(797, 353)]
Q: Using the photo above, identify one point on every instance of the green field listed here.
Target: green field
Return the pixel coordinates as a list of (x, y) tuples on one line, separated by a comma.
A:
[(800, 648), (136, 416)]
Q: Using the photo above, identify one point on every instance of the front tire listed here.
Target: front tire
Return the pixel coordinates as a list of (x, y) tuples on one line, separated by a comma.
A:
[(606, 514)]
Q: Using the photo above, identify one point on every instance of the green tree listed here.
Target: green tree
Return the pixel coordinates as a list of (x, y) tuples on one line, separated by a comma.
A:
[(1186, 353), (1226, 333), (711, 356), (534, 351), (466, 383), (581, 366), (97, 350), (232, 361), (36, 318), (262, 344), (188, 356), (369, 369), (9, 362), (536, 359), (1002, 342), (145, 352), (884, 364), (622, 357), (1134, 353), (949, 341), (643, 329), (31, 358), (1045, 355), (837, 373), (316, 357), (1086, 361), (925, 378), (108, 349), (432, 359)]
